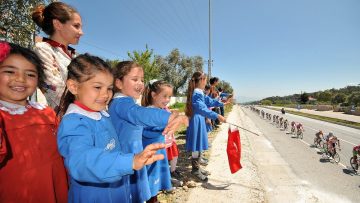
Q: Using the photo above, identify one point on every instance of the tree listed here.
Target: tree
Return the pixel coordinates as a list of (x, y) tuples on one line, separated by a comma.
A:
[(147, 61), (324, 96), (266, 102), (354, 99), (112, 63), (225, 86), (177, 68), (16, 24), (339, 98), (304, 97)]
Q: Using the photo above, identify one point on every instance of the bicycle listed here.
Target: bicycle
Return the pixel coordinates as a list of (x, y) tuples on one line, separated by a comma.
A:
[(334, 155), (318, 142), (286, 125), (355, 164), (293, 130), (299, 134)]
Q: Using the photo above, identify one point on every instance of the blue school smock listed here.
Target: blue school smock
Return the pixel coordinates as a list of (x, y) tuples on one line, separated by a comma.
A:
[(158, 172), (129, 119), (196, 134), (210, 102), (99, 171)]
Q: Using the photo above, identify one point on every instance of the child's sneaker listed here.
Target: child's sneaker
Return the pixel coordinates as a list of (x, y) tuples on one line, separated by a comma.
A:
[(203, 161), (176, 183), (205, 172), (176, 174)]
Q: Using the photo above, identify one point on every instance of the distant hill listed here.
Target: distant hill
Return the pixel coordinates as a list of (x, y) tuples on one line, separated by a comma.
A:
[(347, 96)]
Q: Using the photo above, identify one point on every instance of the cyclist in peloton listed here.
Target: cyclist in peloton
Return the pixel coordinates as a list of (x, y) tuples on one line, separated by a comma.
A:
[(286, 123), (318, 136), (299, 128), (356, 151), (293, 127), (281, 122), (332, 140)]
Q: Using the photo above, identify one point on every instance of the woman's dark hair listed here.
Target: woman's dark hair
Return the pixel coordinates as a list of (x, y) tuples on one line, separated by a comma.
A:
[(193, 83), (156, 87), (44, 16), (207, 87), (81, 69), (30, 56), (122, 69), (213, 80)]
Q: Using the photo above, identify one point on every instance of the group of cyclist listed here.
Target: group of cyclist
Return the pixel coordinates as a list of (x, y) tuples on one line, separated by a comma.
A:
[(330, 140), (296, 128)]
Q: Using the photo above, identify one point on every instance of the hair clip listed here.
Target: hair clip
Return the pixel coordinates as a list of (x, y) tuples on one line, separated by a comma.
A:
[(151, 82), (4, 50)]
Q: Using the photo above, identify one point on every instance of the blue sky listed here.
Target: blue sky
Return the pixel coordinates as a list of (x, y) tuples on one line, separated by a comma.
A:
[(262, 47)]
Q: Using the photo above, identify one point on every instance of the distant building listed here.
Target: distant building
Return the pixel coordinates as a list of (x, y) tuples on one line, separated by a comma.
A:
[(311, 100)]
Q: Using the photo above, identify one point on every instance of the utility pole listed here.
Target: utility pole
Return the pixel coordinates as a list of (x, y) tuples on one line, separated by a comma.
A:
[(210, 60)]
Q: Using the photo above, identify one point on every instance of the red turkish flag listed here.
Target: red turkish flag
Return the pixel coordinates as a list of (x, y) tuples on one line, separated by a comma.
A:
[(234, 150)]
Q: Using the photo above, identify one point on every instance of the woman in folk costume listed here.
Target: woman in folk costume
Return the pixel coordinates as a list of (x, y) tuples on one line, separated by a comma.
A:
[(196, 133), (63, 25)]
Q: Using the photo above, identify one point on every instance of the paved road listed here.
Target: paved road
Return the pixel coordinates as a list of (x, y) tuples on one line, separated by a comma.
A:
[(307, 163), (331, 114)]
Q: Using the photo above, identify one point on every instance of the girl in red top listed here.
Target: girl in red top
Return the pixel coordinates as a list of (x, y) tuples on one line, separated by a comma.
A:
[(31, 169)]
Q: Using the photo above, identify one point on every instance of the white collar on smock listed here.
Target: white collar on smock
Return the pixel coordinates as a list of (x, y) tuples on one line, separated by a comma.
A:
[(198, 90), (16, 109), (121, 95), (73, 108)]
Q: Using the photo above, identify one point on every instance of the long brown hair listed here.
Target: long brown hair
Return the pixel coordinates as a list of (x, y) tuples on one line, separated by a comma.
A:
[(155, 87), (122, 69), (81, 69), (44, 16), (193, 83)]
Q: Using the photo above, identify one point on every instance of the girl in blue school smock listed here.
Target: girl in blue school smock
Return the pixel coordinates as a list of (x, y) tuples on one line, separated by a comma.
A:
[(196, 134), (157, 94), (210, 103), (129, 119), (87, 140)]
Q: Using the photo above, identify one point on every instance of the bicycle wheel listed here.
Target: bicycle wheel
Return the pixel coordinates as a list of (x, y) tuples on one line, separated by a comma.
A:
[(324, 148), (316, 142), (336, 157), (353, 164), (320, 143)]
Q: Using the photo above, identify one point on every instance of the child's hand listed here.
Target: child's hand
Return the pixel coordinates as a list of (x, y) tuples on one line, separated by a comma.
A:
[(174, 124), (221, 118), (173, 115), (208, 121), (148, 156)]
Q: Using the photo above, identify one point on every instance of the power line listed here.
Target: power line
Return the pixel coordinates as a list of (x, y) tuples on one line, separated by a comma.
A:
[(102, 49)]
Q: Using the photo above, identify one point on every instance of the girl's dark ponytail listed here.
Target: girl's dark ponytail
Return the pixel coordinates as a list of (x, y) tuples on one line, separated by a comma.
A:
[(194, 81)]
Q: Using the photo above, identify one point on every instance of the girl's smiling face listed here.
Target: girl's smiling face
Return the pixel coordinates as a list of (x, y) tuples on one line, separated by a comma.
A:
[(94, 93), (132, 84), (162, 99), (18, 79)]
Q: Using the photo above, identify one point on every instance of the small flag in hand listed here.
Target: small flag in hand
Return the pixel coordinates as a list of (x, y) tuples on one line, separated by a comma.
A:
[(234, 150)]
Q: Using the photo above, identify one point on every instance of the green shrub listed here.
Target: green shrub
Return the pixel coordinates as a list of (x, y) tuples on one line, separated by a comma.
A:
[(179, 106)]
